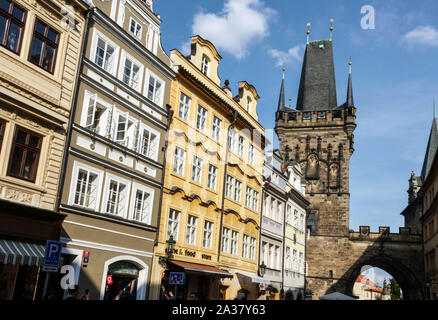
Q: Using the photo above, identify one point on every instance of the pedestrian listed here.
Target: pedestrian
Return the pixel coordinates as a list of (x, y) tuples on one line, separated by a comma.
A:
[(85, 295), (117, 297), (72, 293), (171, 296)]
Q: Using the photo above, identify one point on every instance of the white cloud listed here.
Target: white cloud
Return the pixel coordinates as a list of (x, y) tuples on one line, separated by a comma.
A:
[(236, 27), (422, 35), (291, 56)]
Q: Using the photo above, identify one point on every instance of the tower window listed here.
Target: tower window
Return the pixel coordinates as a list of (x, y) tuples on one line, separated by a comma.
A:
[(292, 116), (321, 115), (307, 116)]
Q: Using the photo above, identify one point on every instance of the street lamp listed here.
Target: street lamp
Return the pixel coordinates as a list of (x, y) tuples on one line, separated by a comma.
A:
[(262, 269), (169, 251)]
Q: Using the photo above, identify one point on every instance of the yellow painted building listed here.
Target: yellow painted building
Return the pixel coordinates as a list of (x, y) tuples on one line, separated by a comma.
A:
[(211, 210)]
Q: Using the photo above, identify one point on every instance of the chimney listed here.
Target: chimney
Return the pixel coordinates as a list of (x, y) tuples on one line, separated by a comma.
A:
[(227, 89)]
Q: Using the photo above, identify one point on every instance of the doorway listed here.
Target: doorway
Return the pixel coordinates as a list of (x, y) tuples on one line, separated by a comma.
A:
[(121, 281)]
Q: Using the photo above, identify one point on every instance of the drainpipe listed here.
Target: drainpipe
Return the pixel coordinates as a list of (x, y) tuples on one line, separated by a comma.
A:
[(72, 111), (231, 125), (262, 203), (284, 244), (166, 144)]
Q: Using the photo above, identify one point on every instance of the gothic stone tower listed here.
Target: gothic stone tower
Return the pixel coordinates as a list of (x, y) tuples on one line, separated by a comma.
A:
[(319, 135)]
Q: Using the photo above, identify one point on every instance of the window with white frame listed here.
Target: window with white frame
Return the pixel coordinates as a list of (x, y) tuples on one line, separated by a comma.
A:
[(116, 196), (148, 142), (179, 160), (95, 112), (288, 260), (212, 177), (277, 258), (124, 129), (237, 190), (196, 169), (252, 248), (248, 201), (105, 52), (135, 28), (229, 187), (201, 118), (296, 218), (245, 246), (192, 222), (251, 154), (216, 130), (240, 146), (132, 72), (204, 65), (225, 240), (86, 189), (294, 260), (301, 221), (234, 242), (155, 89), (184, 106), (255, 201), (208, 234), (232, 140), (142, 204), (173, 224), (248, 104), (288, 213)]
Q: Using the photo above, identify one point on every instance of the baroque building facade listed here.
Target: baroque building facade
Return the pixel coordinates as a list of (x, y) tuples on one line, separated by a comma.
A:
[(114, 165), (213, 183), (40, 43)]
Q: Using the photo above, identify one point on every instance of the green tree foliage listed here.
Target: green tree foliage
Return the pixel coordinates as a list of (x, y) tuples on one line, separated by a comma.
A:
[(395, 290)]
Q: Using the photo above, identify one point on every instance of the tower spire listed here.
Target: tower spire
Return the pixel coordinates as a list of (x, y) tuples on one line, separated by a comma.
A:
[(308, 32), (331, 29), (281, 103), (350, 100)]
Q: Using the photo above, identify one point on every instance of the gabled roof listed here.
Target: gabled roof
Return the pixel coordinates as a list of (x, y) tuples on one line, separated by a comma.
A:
[(317, 85), (432, 145)]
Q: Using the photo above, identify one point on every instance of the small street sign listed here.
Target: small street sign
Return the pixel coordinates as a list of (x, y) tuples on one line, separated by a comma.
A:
[(86, 256), (109, 280), (177, 278), (52, 256)]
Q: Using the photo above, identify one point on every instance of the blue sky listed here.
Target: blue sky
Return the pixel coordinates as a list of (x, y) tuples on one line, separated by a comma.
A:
[(395, 76)]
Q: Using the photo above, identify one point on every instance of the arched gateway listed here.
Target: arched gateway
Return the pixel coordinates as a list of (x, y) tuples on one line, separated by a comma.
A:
[(319, 135)]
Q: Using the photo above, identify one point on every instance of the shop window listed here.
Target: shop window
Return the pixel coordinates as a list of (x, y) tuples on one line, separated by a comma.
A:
[(26, 148), (12, 21), (44, 46)]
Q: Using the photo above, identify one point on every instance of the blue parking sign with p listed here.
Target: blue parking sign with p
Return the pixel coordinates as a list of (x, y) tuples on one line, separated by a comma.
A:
[(52, 255)]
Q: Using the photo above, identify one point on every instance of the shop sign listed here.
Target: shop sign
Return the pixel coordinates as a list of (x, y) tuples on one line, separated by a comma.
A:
[(206, 257), (86, 256), (109, 280), (177, 278)]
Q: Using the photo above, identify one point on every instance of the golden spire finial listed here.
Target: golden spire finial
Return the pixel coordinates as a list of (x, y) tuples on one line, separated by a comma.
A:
[(308, 32), (331, 28), (284, 69), (349, 64)]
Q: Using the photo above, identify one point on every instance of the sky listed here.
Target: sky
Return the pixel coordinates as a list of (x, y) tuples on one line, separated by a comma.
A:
[(395, 69)]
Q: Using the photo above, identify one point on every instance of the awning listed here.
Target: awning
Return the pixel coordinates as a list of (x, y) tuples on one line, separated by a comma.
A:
[(254, 278), (16, 252), (201, 269)]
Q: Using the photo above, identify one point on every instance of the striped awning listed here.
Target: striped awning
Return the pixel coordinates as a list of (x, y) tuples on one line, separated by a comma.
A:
[(16, 252)]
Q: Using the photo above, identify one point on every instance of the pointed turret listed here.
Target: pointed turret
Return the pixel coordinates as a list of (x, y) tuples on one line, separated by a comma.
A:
[(317, 85), (432, 146), (281, 103), (350, 100)]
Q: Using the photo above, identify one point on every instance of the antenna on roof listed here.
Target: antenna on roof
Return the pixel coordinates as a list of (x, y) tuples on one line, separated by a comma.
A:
[(331, 29), (308, 32)]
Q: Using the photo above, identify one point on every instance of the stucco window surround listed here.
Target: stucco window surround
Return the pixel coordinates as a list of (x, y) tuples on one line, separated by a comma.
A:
[(116, 195), (173, 223), (96, 114), (131, 71), (142, 201), (154, 88), (90, 187), (104, 53)]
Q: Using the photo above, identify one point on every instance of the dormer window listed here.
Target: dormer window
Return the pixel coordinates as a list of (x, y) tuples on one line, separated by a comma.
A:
[(205, 65), (321, 115), (135, 28), (248, 104), (306, 116)]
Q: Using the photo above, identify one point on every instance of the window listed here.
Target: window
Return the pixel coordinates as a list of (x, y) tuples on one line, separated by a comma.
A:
[(201, 119), (105, 55), (234, 242), (143, 199), (288, 213), (116, 197), (255, 201), (225, 240), (232, 140), (248, 104), (216, 134), (184, 106), (251, 154), (192, 221), (131, 75), (237, 190), (86, 189), (240, 146), (196, 169), (178, 161), (124, 129), (294, 260), (12, 19), (44, 46), (155, 89), (208, 233), (245, 246), (288, 262), (321, 115), (301, 221), (204, 65), (248, 201), (252, 248), (135, 28), (2, 131), (149, 143), (229, 187), (95, 112), (307, 116), (212, 175), (296, 218), (25, 154), (173, 224)]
